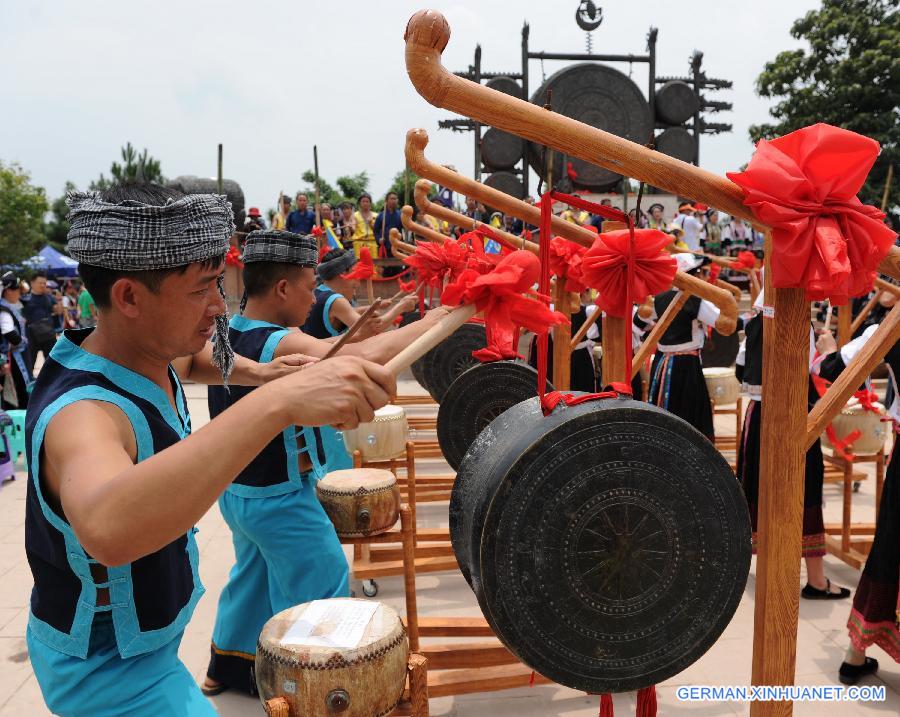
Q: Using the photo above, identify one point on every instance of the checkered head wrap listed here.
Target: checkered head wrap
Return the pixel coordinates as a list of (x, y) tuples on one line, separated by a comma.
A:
[(342, 261), (133, 236), (279, 247)]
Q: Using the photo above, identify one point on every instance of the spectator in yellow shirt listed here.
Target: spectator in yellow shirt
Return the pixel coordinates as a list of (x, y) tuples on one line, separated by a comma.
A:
[(363, 227)]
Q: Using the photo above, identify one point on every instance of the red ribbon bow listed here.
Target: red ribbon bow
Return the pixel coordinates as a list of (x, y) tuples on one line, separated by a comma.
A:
[(566, 258), (804, 186), (364, 269), (407, 286), (499, 294), (605, 268), (744, 260), (714, 271)]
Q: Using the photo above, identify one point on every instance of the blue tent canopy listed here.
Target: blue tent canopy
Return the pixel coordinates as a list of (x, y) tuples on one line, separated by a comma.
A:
[(53, 262)]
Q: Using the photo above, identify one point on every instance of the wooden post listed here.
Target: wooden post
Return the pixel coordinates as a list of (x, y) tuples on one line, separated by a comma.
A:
[(845, 320), (219, 179), (418, 685), (316, 173), (782, 465), (616, 331), (562, 338)]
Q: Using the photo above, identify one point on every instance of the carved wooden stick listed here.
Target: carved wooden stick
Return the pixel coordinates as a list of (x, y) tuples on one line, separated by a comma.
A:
[(736, 292), (399, 246), (423, 186), (406, 217), (417, 139), (426, 37)]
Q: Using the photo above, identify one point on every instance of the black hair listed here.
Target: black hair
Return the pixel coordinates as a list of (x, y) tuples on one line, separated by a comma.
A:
[(364, 195), (345, 205), (39, 274), (99, 280), (261, 276), (390, 193)]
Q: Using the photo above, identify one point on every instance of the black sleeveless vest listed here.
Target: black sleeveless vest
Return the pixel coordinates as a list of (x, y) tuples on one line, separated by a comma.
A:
[(681, 329), (151, 599)]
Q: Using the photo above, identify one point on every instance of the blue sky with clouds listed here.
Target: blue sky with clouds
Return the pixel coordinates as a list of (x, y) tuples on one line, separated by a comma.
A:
[(270, 79)]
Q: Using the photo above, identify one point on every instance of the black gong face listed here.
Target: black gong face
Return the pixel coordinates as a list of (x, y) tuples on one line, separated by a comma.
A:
[(601, 97), (615, 548), (451, 358), (418, 367), (476, 398), (481, 470)]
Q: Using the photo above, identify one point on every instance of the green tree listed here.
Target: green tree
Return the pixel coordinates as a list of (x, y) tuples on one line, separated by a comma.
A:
[(349, 188), (56, 229), (22, 210), (354, 185), (405, 180), (134, 168), (849, 76)]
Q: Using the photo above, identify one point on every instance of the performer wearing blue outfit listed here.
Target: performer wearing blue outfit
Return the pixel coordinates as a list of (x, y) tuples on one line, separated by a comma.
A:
[(113, 554), (286, 549)]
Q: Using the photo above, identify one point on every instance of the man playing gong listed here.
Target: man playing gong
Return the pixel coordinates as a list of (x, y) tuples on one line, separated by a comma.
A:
[(116, 481), (286, 549)]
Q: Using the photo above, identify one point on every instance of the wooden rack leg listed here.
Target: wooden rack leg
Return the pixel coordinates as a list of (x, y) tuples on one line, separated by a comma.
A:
[(411, 482), (278, 707), (418, 685), (782, 451), (407, 531)]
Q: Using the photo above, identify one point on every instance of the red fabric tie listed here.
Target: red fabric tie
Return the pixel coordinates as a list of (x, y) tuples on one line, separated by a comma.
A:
[(566, 259), (364, 269), (434, 263), (606, 706), (499, 294), (804, 186), (233, 257)]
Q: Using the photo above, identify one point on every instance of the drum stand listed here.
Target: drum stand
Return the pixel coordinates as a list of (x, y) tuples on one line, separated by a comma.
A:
[(414, 702), (730, 443), (381, 556), (851, 542)]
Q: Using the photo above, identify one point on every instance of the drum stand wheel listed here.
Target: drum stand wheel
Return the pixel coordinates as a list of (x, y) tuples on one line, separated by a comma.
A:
[(369, 588)]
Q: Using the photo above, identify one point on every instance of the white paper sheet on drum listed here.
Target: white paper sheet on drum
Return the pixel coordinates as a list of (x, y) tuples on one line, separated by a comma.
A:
[(329, 623)]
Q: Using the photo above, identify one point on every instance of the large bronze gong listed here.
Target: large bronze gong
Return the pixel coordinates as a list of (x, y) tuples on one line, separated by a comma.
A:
[(476, 398), (608, 543), (450, 358), (601, 97)]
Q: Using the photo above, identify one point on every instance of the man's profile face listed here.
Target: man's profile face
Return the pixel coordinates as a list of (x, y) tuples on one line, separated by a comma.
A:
[(181, 314), (39, 285), (300, 296), (302, 202)]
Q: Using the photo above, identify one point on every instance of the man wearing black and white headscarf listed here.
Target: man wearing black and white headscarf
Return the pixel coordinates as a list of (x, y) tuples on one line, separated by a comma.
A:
[(286, 549), (116, 480)]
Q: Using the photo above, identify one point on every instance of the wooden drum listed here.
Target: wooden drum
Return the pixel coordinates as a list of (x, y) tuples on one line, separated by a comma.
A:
[(382, 439), (340, 656), (722, 385), (360, 501), (871, 426)]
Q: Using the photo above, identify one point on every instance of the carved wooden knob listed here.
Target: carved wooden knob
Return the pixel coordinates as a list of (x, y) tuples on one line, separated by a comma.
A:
[(428, 28)]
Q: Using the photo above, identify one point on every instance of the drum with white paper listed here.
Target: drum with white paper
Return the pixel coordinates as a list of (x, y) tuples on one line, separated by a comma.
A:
[(337, 657)]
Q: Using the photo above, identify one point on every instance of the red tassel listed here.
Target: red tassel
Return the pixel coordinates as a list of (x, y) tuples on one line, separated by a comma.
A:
[(646, 702), (606, 706), (531, 681)]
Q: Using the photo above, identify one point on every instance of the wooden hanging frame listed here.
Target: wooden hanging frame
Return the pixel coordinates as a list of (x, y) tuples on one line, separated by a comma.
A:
[(788, 430)]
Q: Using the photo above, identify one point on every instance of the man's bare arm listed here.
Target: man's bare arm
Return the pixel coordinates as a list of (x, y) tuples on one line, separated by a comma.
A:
[(378, 349), (122, 511), (200, 368)]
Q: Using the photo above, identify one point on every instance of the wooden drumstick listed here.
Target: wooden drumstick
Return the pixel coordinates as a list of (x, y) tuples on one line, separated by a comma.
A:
[(406, 216), (645, 310), (431, 338), (349, 333)]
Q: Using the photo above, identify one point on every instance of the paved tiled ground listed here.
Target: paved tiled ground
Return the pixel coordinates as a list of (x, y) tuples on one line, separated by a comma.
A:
[(821, 642)]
